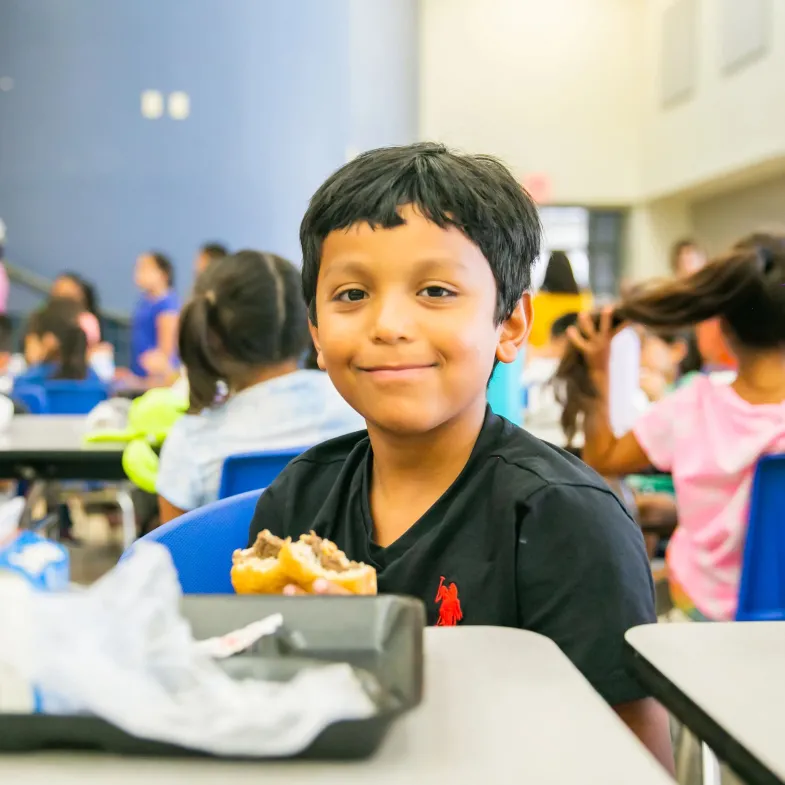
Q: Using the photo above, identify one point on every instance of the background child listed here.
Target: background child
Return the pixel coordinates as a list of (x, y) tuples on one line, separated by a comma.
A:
[(55, 345), (208, 253), (709, 436), (558, 295), (246, 326), (154, 321), (71, 286), (6, 349), (668, 360)]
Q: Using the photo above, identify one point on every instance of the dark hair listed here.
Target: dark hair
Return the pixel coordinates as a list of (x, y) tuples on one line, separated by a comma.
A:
[(6, 333), (559, 277), (745, 288), (89, 296), (214, 251), (475, 193), (559, 327), (245, 313), (164, 264), (678, 248), (60, 317)]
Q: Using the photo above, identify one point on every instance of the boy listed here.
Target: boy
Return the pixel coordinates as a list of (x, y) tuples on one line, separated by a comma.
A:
[(416, 270)]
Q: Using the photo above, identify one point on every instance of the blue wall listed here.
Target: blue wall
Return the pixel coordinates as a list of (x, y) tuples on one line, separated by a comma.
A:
[(280, 91)]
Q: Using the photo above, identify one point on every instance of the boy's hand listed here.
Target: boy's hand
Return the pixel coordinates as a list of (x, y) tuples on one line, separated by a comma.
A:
[(594, 342), (320, 587)]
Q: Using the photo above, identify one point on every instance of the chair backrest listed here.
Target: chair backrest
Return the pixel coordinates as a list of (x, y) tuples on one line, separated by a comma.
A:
[(32, 397), (253, 470), (762, 585), (202, 542), (71, 396)]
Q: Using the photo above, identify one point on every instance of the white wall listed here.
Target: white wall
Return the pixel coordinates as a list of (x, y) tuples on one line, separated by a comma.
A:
[(721, 220), (551, 86), (731, 123)]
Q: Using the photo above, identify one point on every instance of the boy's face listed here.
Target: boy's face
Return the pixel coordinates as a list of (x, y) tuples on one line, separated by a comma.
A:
[(406, 326)]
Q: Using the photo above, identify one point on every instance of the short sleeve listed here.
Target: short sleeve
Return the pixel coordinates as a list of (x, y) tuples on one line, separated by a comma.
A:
[(178, 480), (584, 580), (167, 304), (656, 429)]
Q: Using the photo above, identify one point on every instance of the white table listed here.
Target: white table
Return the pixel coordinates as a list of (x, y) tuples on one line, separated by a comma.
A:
[(52, 447), (725, 682), (501, 706)]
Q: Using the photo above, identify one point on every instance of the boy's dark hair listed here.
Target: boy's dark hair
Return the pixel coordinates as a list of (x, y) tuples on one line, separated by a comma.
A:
[(60, 317), (164, 264), (475, 193), (88, 290), (745, 287), (6, 334), (678, 248), (245, 313), (214, 251), (560, 326), (559, 277)]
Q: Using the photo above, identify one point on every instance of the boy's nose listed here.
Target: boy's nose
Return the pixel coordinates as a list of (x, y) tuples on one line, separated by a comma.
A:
[(392, 320)]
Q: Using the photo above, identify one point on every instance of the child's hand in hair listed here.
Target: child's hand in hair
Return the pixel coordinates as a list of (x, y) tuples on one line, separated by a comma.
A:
[(594, 342)]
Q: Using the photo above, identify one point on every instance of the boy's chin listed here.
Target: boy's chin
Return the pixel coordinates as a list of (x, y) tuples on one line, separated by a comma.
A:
[(404, 420)]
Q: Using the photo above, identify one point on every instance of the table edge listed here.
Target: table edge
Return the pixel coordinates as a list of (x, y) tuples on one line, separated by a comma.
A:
[(728, 749)]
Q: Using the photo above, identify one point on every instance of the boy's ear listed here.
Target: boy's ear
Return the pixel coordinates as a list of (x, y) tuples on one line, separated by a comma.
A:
[(515, 330), (314, 330)]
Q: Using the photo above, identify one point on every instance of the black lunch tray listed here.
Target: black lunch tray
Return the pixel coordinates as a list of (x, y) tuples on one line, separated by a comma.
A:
[(382, 635)]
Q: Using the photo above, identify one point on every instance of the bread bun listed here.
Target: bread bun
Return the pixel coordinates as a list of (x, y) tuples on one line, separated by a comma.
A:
[(273, 563), (257, 570), (312, 557)]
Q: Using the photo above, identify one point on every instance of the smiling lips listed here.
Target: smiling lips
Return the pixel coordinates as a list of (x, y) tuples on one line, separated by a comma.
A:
[(399, 373)]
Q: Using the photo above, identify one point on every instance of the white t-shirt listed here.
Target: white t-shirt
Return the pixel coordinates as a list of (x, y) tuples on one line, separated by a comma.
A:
[(297, 410)]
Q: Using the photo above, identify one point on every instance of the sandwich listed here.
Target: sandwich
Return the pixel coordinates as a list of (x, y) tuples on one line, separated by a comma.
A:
[(272, 563)]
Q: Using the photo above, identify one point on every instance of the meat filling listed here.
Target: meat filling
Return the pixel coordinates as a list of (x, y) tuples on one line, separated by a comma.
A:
[(328, 554), (267, 546)]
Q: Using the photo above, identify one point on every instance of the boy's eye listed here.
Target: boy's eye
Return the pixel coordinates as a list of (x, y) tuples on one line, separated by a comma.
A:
[(437, 292), (351, 296)]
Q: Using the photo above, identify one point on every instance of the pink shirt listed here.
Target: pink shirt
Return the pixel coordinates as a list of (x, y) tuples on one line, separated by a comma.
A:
[(710, 440)]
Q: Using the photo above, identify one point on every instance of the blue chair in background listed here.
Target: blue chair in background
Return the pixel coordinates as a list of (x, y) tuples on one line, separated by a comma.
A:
[(762, 586), (70, 396), (32, 397), (253, 470), (202, 542)]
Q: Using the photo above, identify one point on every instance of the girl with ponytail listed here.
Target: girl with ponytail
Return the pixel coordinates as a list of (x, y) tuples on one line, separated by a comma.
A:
[(708, 436), (240, 339)]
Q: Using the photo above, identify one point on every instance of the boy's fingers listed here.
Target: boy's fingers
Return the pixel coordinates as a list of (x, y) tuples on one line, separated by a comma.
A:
[(323, 586), (293, 590)]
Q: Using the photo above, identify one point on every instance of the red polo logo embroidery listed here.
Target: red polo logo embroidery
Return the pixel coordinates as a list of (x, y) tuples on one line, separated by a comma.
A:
[(450, 612)]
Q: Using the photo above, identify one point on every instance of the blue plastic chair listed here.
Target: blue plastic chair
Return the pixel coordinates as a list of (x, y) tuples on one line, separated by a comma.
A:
[(71, 396), (202, 542), (253, 470), (762, 586), (32, 397)]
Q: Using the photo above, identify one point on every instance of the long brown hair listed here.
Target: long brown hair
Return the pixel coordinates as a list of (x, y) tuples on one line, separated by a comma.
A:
[(745, 287)]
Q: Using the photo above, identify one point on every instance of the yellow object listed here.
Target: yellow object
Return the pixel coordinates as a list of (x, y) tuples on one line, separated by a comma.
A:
[(549, 306)]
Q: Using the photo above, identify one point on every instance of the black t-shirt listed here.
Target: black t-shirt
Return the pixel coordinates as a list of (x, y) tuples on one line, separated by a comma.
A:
[(527, 536)]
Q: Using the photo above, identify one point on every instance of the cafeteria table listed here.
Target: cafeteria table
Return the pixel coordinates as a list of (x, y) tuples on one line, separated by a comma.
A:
[(46, 448), (724, 681), (501, 706), (51, 447)]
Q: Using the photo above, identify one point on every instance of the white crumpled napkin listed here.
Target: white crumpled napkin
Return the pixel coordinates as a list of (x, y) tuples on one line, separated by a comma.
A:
[(121, 651)]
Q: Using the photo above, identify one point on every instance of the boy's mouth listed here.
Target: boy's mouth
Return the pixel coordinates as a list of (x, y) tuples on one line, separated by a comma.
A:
[(390, 372)]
